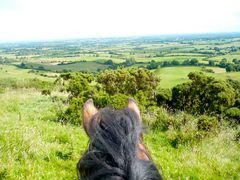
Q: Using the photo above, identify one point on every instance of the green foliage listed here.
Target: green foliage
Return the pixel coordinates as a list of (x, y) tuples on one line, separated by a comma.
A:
[(163, 120), (46, 92), (79, 90), (102, 99), (118, 101), (73, 113), (143, 100), (79, 85), (206, 123), (203, 95), (236, 86), (164, 97), (129, 81), (233, 113), (180, 128)]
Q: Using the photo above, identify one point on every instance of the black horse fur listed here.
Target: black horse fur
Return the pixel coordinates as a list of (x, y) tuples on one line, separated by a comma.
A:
[(112, 152)]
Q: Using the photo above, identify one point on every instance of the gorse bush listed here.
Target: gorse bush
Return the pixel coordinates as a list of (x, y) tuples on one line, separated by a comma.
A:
[(73, 112), (182, 128), (203, 95), (102, 99), (79, 85), (129, 81), (164, 97), (112, 89), (163, 120), (206, 123), (233, 114)]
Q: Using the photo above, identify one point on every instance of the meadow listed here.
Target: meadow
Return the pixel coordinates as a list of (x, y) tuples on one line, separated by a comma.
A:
[(35, 145), (171, 76)]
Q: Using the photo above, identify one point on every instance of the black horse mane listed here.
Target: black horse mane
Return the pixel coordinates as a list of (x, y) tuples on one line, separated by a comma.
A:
[(112, 149)]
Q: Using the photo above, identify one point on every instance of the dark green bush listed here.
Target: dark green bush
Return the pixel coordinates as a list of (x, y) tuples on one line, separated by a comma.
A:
[(233, 113), (73, 113), (163, 97), (101, 99), (203, 95), (118, 101), (46, 92), (207, 123)]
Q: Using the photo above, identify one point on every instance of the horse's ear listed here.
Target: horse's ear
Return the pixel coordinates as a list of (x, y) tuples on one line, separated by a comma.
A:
[(133, 106), (89, 110)]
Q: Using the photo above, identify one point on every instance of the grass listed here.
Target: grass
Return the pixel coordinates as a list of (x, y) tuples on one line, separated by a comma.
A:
[(88, 66), (171, 76), (10, 71), (33, 146), (213, 158), (229, 57)]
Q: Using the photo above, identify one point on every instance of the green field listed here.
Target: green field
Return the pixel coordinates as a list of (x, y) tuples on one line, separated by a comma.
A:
[(33, 146), (171, 76), (10, 71), (88, 66)]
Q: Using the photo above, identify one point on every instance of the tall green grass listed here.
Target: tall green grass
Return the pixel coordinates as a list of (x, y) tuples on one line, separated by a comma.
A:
[(33, 146)]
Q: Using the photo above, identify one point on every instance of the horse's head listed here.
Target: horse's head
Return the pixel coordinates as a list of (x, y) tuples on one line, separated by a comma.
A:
[(116, 149)]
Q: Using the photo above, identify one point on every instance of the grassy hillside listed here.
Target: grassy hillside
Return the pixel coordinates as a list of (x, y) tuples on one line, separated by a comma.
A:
[(33, 146)]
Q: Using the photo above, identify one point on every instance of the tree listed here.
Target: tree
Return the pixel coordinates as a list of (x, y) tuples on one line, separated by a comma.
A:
[(79, 85), (194, 62), (211, 63), (129, 81), (152, 65), (203, 95)]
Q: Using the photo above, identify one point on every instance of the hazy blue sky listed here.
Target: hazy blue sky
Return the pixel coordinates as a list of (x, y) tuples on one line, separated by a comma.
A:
[(63, 19)]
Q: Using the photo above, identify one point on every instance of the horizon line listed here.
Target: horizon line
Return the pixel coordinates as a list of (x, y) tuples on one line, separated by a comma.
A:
[(114, 37)]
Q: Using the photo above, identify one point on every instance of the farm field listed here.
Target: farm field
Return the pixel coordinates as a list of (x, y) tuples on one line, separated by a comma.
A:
[(141, 49), (43, 86), (171, 76)]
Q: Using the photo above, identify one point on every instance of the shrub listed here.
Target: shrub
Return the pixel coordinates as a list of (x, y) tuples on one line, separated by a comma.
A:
[(129, 81), (101, 99), (179, 128), (203, 95), (207, 123), (46, 92), (73, 113), (118, 101), (233, 113), (162, 121), (79, 85), (163, 97)]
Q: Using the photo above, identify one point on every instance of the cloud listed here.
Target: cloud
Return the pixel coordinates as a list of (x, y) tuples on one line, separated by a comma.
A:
[(51, 19)]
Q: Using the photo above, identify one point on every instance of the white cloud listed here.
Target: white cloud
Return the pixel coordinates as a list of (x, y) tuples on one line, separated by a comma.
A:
[(51, 19)]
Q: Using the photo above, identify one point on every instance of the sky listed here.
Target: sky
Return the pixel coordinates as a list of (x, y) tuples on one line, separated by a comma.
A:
[(24, 20)]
